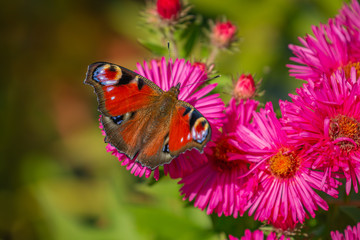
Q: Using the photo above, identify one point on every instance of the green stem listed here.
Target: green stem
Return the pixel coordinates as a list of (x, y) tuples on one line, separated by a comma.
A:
[(213, 54)]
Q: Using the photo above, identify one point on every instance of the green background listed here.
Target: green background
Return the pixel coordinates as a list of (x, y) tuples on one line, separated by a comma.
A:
[(56, 179)]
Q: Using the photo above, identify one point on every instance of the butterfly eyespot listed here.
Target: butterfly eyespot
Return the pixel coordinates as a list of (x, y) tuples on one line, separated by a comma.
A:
[(200, 130), (187, 110), (195, 116), (166, 148), (128, 116), (107, 74), (118, 119)]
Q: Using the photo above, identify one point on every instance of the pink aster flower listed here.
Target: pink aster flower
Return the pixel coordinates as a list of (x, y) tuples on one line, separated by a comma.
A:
[(349, 17), (330, 49), (259, 235), (327, 118), (351, 233), (165, 75), (285, 193), (350, 14), (215, 185)]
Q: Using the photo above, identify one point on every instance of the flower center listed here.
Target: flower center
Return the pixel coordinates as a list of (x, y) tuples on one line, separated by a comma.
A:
[(345, 131), (347, 68), (220, 159), (284, 164)]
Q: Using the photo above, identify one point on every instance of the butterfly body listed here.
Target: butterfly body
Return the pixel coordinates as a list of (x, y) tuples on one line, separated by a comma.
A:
[(143, 121)]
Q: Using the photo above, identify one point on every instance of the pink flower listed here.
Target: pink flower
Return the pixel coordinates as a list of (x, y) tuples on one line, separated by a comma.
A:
[(326, 117), (245, 87), (168, 9), (215, 185), (329, 50), (284, 224), (349, 16), (223, 34), (285, 193), (166, 75), (259, 235), (349, 234)]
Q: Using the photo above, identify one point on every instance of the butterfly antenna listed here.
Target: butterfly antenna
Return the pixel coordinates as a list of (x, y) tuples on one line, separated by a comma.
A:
[(168, 46)]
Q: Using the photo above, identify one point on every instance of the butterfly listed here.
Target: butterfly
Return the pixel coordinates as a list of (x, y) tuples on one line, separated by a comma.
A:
[(141, 120)]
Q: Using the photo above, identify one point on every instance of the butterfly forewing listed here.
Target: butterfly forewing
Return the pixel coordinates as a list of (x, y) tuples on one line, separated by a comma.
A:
[(120, 90), (192, 131)]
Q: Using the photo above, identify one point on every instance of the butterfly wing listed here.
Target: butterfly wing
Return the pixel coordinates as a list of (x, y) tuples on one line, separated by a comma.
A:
[(120, 90), (188, 129), (130, 106), (125, 99), (185, 128)]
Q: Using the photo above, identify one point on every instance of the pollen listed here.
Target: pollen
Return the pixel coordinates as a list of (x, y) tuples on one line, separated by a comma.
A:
[(347, 130), (220, 159), (347, 69), (284, 164)]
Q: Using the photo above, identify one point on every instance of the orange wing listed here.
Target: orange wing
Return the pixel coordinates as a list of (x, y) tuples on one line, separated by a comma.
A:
[(120, 90), (188, 129)]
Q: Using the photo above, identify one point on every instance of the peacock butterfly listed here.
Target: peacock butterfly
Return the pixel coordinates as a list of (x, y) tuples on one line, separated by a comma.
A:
[(143, 121)]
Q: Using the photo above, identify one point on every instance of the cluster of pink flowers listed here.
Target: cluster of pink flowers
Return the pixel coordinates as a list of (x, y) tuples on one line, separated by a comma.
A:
[(271, 167), (351, 233), (324, 114)]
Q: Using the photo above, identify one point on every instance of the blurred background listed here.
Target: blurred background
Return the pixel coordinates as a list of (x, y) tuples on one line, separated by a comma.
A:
[(56, 179)]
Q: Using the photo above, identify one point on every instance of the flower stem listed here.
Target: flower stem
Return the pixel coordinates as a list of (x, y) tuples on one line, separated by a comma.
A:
[(212, 56)]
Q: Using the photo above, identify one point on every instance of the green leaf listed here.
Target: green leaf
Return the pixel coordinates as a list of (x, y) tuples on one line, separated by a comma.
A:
[(165, 217)]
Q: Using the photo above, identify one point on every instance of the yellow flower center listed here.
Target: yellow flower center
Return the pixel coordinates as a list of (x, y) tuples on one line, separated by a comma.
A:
[(346, 130), (284, 164), (347, 68)]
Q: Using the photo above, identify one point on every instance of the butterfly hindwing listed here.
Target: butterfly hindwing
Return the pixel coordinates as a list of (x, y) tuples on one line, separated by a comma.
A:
[(140, 137)]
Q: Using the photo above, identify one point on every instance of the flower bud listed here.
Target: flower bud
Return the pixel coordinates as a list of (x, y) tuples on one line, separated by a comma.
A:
[(223, 34), (245, 87), (201, 66), (168, 9)]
